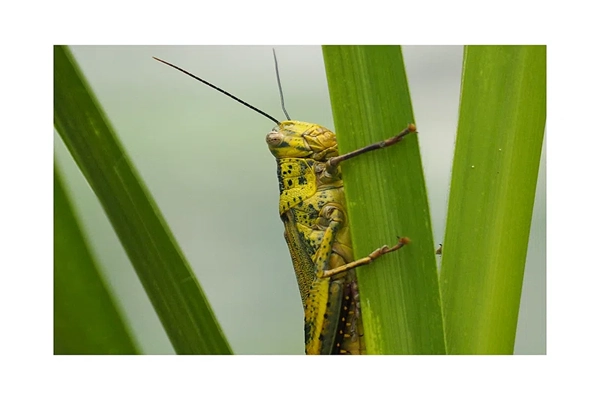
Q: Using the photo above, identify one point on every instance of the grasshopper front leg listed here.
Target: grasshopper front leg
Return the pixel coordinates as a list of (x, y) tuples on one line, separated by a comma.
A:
[(333, 162)]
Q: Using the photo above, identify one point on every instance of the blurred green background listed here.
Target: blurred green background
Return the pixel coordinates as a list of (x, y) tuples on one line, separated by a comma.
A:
[(204, 159)]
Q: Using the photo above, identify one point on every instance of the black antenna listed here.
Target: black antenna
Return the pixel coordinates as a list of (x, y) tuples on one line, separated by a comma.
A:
[(220, 90), (279, 84)]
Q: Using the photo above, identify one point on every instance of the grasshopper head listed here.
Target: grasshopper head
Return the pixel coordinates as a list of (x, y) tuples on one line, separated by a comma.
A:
[(295, 139)]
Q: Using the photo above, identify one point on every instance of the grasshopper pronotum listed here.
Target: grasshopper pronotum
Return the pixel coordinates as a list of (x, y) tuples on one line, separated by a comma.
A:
[(313, 210)]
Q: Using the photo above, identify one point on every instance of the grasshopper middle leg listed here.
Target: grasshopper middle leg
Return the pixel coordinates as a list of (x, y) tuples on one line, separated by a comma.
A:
[(368, 259)]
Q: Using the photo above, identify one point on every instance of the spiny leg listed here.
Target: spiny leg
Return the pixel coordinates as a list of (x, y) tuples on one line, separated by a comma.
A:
[(368, 259), (332, 163), (353, 297)]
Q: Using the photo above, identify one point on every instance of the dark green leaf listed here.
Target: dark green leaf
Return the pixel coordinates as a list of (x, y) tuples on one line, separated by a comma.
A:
[(86, 320), (165, 274)]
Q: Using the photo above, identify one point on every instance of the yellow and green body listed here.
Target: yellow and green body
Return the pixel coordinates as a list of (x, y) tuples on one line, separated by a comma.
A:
[(313, 210)]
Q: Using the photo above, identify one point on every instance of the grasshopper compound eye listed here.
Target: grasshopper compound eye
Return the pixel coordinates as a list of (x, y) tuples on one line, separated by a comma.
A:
[(274, 139)]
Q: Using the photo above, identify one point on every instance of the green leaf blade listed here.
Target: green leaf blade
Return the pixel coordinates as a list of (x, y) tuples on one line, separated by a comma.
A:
[(86, 319), (496, 163), (386, 198), (159, 263)]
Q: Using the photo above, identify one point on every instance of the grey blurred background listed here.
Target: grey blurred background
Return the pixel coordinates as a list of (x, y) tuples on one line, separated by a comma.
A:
[(204, 159)]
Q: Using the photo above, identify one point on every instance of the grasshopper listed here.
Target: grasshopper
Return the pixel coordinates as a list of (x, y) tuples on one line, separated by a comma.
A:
[(312, 207)]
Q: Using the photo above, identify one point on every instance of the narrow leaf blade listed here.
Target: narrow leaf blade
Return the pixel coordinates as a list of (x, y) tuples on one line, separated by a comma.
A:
[(159, 263), (86, 319), (494, 175), (386, 198)]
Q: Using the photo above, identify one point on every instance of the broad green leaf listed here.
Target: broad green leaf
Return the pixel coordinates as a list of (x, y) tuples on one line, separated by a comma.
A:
[(386, 198), (496, 162)]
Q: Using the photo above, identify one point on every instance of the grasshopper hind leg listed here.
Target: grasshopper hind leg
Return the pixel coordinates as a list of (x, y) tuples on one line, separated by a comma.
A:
[(349, 339), (355, 295)]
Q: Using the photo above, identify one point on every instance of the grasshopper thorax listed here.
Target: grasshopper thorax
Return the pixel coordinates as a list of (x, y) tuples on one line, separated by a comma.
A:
[(296, 139)]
